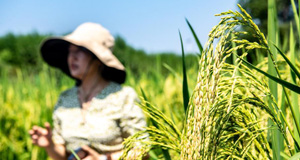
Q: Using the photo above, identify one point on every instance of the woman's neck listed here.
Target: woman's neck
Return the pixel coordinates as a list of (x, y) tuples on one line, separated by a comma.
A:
[(91, 85)]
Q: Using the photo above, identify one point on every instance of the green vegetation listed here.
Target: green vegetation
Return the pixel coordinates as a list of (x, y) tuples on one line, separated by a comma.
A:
[(29, 88), (232, 102)]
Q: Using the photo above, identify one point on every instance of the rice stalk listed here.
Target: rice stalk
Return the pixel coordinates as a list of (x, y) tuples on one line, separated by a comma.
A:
[(228, 110)]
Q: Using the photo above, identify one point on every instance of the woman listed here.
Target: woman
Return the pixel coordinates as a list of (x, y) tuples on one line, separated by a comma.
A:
[(96, 115)]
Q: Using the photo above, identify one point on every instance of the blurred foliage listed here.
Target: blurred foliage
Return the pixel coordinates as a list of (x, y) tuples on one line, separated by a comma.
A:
[(22, 51), (29, 88), (138, 61), (257, 9)]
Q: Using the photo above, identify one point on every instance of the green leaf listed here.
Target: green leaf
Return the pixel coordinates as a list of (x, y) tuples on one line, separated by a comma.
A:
[(295, 15), (294, 96), (295, 156), (75, 155), (153, 155), (292, 51), (289, 62), (166, 154), (280, 81), (164, 151), (169, 68), (146, 99), (185, 90), (195, 36), (234, 52), (284, 155)]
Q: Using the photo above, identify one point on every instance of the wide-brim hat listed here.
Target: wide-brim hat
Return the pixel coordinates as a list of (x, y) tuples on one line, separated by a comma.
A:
[(91, 36)]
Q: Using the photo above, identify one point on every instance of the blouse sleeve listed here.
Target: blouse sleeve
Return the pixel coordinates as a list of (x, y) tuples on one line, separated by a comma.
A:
[(133, 119), (56, 132)]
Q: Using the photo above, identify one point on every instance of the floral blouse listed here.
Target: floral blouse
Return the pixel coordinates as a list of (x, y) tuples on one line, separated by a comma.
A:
[(112, 116)]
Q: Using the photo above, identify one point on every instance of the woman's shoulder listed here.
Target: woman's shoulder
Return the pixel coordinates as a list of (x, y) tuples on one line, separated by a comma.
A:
[(66, 98), (130, 91), (69, 92), (123, 89), (118, 91)]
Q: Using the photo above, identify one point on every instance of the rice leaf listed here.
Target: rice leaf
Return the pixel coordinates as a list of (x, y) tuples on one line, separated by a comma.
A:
[(293, 67), (294, 98), (286, 84), (185, 90), (277, 140), (292, 50), (164, 151), (166, 154), (195, 36), (75, 155), (284, 155), (234, 53), (153, 155), (295, 15), (146, 99), (295, 156), (172, 71)]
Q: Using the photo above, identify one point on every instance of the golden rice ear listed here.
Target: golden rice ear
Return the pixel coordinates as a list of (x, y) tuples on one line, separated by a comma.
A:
[(227, 110)]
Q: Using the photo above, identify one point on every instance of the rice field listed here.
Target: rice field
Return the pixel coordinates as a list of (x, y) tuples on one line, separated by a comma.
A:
[(223, 107), (28, 100)]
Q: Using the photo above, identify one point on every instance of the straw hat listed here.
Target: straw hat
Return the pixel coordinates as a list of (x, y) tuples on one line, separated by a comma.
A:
[(93, 37)]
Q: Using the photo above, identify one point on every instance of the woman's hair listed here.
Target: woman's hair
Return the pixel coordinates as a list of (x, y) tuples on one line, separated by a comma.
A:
[(108, 73)]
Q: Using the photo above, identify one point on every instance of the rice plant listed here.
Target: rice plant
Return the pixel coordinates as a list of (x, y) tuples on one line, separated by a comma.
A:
[(228, 112)]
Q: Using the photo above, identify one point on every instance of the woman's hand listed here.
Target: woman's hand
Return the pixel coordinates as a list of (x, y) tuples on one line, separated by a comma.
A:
[(94, 155), (41, 136)]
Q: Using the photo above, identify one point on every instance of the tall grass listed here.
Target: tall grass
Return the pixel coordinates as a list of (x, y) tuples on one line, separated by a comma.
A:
[(26, 101)]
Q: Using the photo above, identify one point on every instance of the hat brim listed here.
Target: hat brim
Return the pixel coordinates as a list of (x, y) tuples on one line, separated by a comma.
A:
[(54, 51)]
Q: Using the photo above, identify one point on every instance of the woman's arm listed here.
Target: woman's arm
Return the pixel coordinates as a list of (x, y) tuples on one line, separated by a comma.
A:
[(57, 151)]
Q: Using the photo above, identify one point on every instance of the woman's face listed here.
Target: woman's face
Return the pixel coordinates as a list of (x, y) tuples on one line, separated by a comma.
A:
[(78, 62)]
